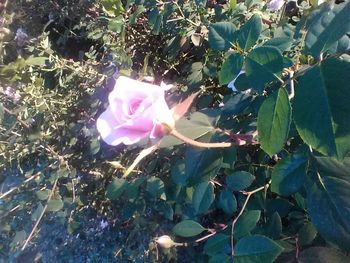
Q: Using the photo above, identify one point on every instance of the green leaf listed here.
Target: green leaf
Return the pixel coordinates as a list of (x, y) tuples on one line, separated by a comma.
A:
[(249, 33), (325, 26), (239, 180), (203, 197), (273, 227), (116, 188), (199, 124), (306, 234), (202, 164), (236, 104), (178, 174), (54, 205), (230, 68), (36, 61), (43, 194), (289, 174), (232, 4), (221, 35), (328, 202), (256, 248), (155, 20), (36, 214), (139, 10), (194, 79), (227, 202), (282, 43), (216, 244), (155, 186), (219, 258), (263, 65), (274, 119), (188, 228), (322, 255), (321, 108), (112, 7), (246, 223)]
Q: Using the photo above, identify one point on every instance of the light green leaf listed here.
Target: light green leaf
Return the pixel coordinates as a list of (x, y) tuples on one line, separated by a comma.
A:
[(2, 112), (230, 68), (54, 205), (221, 35), (289, 174), (306, 234), (263, 65), (274, 119), (256, 248), (249, 33), (321, 108), (36, 61), (188, 228), (203, 197)]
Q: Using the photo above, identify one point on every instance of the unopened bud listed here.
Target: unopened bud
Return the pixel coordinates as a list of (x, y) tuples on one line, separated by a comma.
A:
[(165, 241)]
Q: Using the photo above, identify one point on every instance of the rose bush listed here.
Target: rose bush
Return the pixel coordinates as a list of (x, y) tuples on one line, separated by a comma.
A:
[(136, 110)]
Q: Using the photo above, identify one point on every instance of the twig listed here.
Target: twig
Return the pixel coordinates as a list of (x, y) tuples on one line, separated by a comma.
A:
[(17, 187), (249, 194), (25, 125), (41, 215)]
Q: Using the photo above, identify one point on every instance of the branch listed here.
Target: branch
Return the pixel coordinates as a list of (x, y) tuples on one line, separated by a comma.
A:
[(249, 194)]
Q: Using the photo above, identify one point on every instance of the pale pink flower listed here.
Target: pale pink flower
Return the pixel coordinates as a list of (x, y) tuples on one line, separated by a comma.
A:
[(275, 5), (136, 110)]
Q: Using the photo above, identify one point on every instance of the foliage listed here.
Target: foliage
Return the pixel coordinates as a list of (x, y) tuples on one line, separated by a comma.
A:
[(281, 192)]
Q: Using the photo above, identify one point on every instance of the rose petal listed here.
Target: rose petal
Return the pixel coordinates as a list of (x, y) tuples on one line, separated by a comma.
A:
[(113, 133)]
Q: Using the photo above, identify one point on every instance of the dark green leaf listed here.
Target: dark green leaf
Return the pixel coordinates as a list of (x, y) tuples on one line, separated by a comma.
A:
[(202, 164), (221, 35), (216, 244), (230, 68), (235, 105), (273, 122), (289, 174), (227, 202), (321, 109), (219, 258), (155, 186), (282, 43), (188, 228), (249, 33), (239, 180), (246, 223), (273, 227), (203, 197), (263, 65), (328, 201), (116, 188), (256, 248), (325, 26)]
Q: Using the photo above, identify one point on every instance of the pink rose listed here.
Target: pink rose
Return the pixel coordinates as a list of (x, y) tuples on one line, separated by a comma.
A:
[(136, 110)]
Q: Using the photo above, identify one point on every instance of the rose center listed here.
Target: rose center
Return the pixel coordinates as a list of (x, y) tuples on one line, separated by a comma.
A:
[(134, 106)]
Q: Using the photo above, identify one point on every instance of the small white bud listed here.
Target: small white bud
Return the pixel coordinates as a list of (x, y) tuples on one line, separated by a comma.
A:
[(165, 241)]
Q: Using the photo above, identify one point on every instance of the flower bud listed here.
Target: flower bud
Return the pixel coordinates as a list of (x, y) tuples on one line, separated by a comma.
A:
[(165, 241)]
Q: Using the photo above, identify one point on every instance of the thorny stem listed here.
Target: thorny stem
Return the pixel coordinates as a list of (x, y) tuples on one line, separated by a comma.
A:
[(249, 194), (187, 140)]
